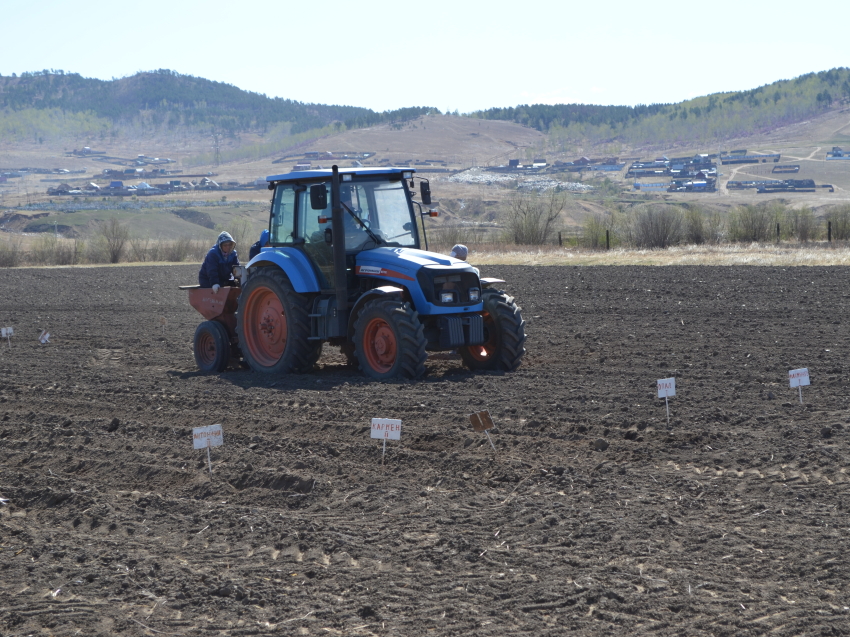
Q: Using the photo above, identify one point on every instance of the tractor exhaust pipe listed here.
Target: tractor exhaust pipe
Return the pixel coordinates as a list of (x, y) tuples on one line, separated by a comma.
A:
[(340, 277)]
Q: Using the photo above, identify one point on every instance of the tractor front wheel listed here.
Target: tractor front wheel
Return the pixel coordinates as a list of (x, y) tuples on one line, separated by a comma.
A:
[(504, 335), (273, 325), (211, 347), (389, 340)]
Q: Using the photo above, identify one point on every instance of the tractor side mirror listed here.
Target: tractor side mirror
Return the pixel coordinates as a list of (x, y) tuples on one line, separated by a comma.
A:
[(425, 192), (319, 197), (329, 236)]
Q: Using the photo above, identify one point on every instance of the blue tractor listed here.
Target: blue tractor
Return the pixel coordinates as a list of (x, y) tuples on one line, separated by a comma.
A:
[(344, 267)]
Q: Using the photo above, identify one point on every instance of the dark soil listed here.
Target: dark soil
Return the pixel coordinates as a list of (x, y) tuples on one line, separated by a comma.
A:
[(731, 521)]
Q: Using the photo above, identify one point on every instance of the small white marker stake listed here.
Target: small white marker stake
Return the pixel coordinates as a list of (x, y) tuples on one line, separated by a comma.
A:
[(797, 378), (667, 388), (481, 421), (7, 332), (44, 337), (387, 429), (207, 437)]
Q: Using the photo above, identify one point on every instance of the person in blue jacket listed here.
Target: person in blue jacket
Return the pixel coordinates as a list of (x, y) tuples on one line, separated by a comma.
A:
[(259, 245), (217, 268)]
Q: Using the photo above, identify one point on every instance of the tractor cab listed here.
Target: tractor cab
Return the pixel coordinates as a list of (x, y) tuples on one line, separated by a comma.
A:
[(375, 207)]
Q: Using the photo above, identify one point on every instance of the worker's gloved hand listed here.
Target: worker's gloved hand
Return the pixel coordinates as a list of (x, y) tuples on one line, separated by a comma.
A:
[(215, 288)]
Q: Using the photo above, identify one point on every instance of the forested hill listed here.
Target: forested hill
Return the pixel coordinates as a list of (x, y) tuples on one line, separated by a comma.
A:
[(712, 117), (164, 99), (53, 104)]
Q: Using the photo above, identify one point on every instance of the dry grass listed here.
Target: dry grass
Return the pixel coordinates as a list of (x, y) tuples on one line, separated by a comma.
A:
[(753, 254)]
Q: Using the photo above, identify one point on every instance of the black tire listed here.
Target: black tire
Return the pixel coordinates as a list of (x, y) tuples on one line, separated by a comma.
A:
[(389, 340), (273, 325), (504, 335), (211, 347)]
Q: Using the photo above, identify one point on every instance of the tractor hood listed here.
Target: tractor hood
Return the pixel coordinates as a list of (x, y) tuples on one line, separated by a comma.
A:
[(407, 258), (425, 275), (404, 263)]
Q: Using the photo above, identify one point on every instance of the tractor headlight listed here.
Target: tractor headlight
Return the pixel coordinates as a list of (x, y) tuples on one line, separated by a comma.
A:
[(474, 294), (447, 297)]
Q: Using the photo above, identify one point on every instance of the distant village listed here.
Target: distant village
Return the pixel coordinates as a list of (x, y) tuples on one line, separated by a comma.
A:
[(148, 176)]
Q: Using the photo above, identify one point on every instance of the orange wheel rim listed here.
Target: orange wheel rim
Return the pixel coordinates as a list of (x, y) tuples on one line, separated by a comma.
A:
[(380, 345), (206, 348), (486, 350), (265, 326)]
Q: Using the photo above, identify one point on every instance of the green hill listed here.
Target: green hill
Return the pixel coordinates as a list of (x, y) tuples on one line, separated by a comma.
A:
[(48, 105), (54, 103), (704, 119)]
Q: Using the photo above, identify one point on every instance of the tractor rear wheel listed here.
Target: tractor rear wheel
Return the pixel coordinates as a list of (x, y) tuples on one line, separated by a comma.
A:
[(273, 325), (212, 347), (504, 335), (389, 340)]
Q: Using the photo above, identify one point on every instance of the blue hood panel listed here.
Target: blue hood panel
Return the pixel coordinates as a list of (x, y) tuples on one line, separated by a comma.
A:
[(407, 259), (400, 265)]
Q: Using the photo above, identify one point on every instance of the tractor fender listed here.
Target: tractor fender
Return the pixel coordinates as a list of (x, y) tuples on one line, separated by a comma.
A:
[(294, 263), (385, 291)]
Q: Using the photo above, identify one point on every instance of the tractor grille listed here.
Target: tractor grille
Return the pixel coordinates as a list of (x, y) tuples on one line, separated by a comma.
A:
[(435, 281)]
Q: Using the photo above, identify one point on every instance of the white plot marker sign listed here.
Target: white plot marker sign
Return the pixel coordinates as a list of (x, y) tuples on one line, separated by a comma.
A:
[(7, 333), (481, 421), (798, 378), (666, 389), (206, 438), (44, 337), (387, 429)]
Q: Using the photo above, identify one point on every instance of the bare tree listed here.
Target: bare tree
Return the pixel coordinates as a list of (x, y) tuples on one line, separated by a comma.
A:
[(530, 217), (116, 236)]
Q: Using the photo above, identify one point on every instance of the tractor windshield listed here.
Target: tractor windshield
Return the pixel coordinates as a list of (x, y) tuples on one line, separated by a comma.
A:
[(381, 206)]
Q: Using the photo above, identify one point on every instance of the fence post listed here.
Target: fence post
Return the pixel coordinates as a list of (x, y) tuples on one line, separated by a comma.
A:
[(777, 233), (829, 231), (560, 241), (607, 240)]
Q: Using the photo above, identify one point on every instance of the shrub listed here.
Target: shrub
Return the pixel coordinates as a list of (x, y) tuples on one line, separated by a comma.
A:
[(178, 250), (593, 230), (752, 223), (140, 248), (10, 253), (458, 232), (839, 216), (656, 226), (116, 236), (97, 250), (530, 218), (802, 224), (695, 225), (716, 227), (42, 250)]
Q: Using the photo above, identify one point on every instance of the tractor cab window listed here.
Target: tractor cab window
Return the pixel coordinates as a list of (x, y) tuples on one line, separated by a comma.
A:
[(308, 225), (383, 208), (283, 216), (312, 232), (355, 203)]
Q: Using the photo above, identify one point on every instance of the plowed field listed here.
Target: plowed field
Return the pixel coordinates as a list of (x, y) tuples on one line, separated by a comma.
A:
[(592, 515)]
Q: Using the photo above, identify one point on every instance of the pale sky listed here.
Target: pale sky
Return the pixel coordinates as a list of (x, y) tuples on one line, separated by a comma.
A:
[(451, 55)]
